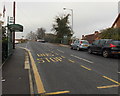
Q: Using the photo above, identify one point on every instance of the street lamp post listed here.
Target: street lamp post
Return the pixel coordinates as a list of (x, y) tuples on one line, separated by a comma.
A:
[(71, 16)]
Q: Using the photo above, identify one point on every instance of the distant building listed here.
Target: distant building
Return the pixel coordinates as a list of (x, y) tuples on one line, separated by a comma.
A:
[(116, 23), (91, 37), (50, 37), (20, 40)]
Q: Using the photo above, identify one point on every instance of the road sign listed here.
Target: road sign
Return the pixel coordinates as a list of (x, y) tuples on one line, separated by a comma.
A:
[(11, 20)]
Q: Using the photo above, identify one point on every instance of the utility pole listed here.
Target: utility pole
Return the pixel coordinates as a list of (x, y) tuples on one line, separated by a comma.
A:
[(14, 23)]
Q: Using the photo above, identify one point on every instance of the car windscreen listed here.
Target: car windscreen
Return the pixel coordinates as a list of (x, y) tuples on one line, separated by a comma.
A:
[(85, 42)]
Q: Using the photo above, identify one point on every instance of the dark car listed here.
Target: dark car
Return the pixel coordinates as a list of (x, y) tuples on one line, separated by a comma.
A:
[(106, 47)]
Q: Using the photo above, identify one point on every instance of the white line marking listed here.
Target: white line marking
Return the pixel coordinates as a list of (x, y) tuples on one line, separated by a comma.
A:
[(31, 84), (60, 51), (82, 59), (3, 80), (27, 44), (26, 63), (27, 66)]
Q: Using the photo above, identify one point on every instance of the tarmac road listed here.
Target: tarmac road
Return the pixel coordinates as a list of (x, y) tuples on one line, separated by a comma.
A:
[(73, 72)]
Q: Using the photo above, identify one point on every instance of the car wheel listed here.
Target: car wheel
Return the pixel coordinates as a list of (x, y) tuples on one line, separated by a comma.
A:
[(78, 48), (106, 53), (71, 47), (89, 51)]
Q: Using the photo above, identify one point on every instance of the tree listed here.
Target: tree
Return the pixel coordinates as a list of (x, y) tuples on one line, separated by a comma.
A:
[(3, 32), (62, 28), (31, 36), (4, 44), (40, 33), (110, 33)]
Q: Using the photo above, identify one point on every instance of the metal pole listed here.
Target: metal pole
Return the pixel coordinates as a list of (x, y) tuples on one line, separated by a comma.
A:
[(14, 23), (72, 20), (8, 34), (0, 46)]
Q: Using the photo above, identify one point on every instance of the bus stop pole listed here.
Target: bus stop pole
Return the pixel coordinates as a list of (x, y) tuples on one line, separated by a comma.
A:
[(14, 23)]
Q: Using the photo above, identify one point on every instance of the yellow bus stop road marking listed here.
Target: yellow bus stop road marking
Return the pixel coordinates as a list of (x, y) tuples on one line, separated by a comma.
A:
[(71, 61), (39, 84), (111, 80), (55, 93), (62, 56), (109, 86), (56, 53), (85, 67)]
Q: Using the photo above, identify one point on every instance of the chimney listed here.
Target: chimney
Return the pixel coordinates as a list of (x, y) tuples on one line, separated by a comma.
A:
[(83, 36), (96, 32)]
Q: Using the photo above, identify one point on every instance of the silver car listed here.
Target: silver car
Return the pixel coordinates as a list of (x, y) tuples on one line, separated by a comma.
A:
[(80, 44)]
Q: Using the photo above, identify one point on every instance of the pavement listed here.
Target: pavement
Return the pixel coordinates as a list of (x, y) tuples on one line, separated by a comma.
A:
[(64, 45), (15, 79)]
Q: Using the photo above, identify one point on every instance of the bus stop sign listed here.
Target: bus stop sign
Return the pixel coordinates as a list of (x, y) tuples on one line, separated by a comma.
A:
[(16, 27)]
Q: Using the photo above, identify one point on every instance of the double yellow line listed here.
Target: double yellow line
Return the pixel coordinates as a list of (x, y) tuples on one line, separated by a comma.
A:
[(39, 84)]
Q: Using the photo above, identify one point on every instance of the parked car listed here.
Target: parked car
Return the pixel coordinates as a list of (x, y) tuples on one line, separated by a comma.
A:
[(80, 44), (16, 42), (41, 40), (106, 47)]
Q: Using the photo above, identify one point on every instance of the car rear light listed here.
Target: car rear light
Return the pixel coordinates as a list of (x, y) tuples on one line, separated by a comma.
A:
[(111, 45), (80, 42)]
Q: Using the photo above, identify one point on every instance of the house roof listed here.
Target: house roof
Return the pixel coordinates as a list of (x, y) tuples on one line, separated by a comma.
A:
[(116, 20), (96, 33), (89, 35)]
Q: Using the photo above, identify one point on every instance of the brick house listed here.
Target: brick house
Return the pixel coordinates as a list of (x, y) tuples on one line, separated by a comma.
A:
[(96, 35), (116, 24), (91, 37)]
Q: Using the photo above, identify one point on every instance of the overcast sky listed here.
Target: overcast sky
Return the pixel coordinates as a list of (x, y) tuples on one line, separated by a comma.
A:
[(87, 16)]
